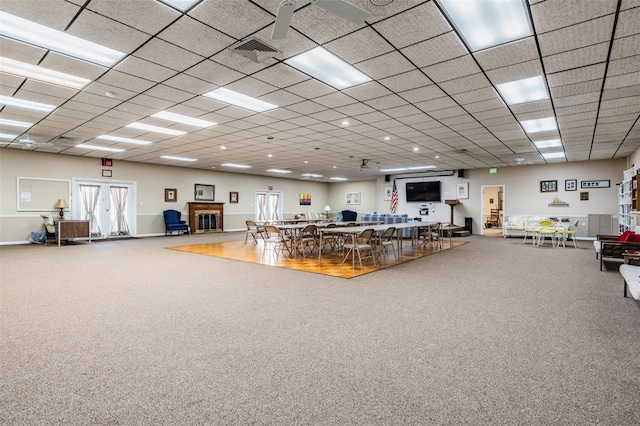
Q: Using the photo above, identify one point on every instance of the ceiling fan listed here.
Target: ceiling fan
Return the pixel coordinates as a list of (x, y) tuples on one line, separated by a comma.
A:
[(28, 143), (338, 7)]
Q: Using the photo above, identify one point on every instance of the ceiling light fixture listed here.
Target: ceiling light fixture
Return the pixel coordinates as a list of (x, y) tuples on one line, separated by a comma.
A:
[(345, 123), (522, 91), (7, 136), (155, 129), (552, 155), (32, 33), (42, 74), (387, 138), (184, 119), (237, 166), (311, 175), (400, 169), (551, 143), (14, 123), (238, 99), (539, 125), (279, 171), (172, 157), (328, 68), (488, 23), (182, 5), (99, 148), (24, 104), (126, 140), (338, 178)]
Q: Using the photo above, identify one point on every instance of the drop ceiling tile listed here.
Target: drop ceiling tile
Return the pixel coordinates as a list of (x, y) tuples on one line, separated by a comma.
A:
[(402, 111), (487, 105), (281, 75), (190, 84), (508, 54), (354, 109), (386, 102), (532, 107), (624, 66), (436, 104), (163, 53), (196, 37), (281, 98), (385, 66), (579, 75), (628, 23), (625, 47), (576, 58), (367, 91), (516, 72), (420, 23), (465, 84), (117, 94), (438, 49), (359, 46), (625, 80), (167, 93), (251, 87), (236, 19), (406, 81), (307, 107), (624, 92), (422, 94), (574, 37), (591, 86), (553, 14), (106, 32), (453, 69), (334, 100), (151, 102), (214, 73), (121, 80)]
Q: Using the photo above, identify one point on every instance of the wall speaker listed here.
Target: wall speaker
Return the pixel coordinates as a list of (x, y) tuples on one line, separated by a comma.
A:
[(461, 173), (387, 178)]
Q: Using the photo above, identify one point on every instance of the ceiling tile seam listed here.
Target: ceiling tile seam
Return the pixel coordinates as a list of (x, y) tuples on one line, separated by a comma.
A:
[(604, 79), (572, 25)]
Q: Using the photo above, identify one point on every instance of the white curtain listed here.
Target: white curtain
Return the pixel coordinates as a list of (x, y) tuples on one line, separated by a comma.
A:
[(262, 204), (90, 196), (119, 226), (273, 203)]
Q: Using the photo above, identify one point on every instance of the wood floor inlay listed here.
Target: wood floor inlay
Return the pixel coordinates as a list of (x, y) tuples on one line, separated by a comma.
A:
[(330, 263)]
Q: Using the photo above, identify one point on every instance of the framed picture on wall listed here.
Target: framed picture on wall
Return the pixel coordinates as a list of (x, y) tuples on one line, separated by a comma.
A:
[(571, 185), (548, 186), (462, 192), (233, 197), (353, 198), (388, 190), (170, 195)]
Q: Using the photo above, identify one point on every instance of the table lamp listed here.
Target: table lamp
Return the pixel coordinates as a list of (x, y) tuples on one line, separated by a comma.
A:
[(61, 204), (327, 209)]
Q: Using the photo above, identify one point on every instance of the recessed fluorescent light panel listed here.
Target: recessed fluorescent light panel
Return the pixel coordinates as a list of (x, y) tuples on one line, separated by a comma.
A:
[(311, 175), (522, 91), (156, 129), (99, 148), (171, 157), (126, 140), (547, 144), (279, 171), (338, 178), (21, 103), (42, 74), (238, 99), (180, 4), (488, 23), (325, 66), (401, 169), (184, 119), (551, 155), (237, 166), (29, 32), (539, 125), (14, 123), (7, 136)]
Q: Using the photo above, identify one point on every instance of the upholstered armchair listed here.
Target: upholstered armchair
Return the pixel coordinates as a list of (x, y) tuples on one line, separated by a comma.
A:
[(349, 215), (172, 223)]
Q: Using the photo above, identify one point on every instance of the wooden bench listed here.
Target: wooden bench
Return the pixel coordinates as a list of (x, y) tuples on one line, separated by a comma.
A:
[(615, 249), (631, 275)]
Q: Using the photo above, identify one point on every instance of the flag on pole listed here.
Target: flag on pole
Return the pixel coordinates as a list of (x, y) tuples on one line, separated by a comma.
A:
[(394, 197)]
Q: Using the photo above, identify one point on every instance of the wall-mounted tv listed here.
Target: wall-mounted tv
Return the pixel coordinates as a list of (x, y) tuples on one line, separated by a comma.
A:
[(423, 191)]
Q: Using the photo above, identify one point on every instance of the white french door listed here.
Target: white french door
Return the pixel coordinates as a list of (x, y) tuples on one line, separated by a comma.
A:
[(110, 205), (268, 205)]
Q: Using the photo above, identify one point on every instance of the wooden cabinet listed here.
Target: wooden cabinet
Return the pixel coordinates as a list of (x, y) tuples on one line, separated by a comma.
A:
[(72, 229), (206, 217)]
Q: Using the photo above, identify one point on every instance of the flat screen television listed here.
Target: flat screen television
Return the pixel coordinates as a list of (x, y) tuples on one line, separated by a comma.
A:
[(423, 191)]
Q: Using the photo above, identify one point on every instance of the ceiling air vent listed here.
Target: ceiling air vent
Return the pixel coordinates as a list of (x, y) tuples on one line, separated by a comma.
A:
[(255, 50)]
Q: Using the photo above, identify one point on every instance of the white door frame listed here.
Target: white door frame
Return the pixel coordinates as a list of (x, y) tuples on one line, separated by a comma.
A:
[(76, 201), (504, 203)]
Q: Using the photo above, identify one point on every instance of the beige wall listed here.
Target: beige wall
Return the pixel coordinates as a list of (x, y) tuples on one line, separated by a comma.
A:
[(522, 191)]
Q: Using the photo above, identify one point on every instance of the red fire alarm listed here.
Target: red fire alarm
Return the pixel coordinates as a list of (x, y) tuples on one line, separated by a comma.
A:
[(107, 162)]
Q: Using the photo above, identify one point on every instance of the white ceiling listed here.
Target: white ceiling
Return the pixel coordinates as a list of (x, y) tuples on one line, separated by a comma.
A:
[(428, 91)]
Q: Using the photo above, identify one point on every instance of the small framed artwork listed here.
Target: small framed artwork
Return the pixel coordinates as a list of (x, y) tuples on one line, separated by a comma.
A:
[(353, 198), (595, 184), (571, 185), (584, 196), (205, 192), (107, 173), (233, 197), (548, 186), (462, 190), (387, 193), (170, 195), (305, 199)]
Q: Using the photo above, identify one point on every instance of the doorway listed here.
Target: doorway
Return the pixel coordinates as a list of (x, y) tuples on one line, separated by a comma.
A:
[(492, 210), (268, 206), (109, 205)]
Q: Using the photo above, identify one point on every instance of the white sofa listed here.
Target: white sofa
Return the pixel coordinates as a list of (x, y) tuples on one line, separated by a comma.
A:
[(631, 275), (514, 225)]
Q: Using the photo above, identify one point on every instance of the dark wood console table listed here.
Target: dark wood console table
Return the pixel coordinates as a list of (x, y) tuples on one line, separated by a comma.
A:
[(206, 217), (72, 229)]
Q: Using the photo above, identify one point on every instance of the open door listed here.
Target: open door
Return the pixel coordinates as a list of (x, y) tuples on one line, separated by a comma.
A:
[(492, 210)]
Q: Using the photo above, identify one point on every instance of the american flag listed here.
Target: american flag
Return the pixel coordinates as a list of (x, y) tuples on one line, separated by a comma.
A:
[(394, 197)]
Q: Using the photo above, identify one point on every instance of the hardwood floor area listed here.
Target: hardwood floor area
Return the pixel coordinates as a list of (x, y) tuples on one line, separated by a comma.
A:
[(330, 262)]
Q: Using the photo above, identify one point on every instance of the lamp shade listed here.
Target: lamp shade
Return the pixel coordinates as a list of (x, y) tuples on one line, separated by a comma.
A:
[(327, 208), (61, 204)]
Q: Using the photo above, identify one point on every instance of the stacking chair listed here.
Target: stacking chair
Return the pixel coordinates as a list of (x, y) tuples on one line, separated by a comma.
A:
[(546, 229), (330, 239), (253, 231), (384, 241), (530, 230), (276, 241), (570, 232), (431, 235), (360, 244)]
